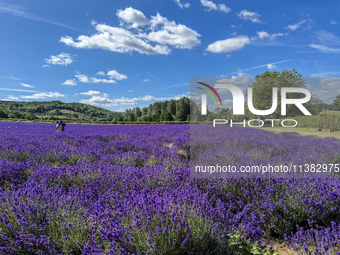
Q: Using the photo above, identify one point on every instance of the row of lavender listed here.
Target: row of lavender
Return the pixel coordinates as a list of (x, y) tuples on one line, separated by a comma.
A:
[(128, 190)]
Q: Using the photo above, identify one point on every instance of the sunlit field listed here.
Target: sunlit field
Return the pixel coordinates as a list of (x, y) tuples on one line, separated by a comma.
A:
[(120, 189)]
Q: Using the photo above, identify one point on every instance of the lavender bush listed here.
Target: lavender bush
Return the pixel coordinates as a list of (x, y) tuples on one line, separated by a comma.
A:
[(128, 190)]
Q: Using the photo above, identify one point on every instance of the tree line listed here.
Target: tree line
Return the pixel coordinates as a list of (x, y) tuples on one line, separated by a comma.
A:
[(54, 110)]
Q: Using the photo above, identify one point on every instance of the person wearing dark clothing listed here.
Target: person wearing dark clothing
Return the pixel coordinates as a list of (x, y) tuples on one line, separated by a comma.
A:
[(60, 126)]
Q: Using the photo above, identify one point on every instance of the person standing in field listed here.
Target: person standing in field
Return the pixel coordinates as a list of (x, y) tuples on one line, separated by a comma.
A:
[(63, 126), (59, 127)]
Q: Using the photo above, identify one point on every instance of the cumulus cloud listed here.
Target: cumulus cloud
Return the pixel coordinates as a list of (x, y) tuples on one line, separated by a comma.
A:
[(224, 8), (264, 34), (133, 16), (26, 85), (229, 45), (177, 35), (271, 66), (62, 59), (118, 39), (247, 15), (101, 73), (115, 39), (146, 80), (185, 5), (70, 82), (295, 26), (98, 98), (96, 80), (10, 98), (113, 74), (82, 78), (333, 22), (44, 95), (209, 5), (92, 93)]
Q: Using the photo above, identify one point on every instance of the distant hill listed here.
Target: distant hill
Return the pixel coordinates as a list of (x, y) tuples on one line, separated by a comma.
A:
[(53, 110)]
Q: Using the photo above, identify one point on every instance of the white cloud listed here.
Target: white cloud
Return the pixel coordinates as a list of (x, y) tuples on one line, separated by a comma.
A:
[(70, 82), (224, 8), (209, 5), (62, 59), (125, 40), (98, 98), (212, 6), (26, 85), (178, 35), (241, 74), (324, 48), (95, 80), (91, 93), (264, 34), (115, 39), (229, 45), (333, 22), (130, 90), (146, 80), (46, 66), (247, 15), (295, 26), (185, 5), (133, 16), (44, 95), (271, 66), (10, 98), (82, 78), (113, 74)]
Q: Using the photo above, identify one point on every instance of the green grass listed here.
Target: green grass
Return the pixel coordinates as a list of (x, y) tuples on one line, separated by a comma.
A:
[(304, 131)]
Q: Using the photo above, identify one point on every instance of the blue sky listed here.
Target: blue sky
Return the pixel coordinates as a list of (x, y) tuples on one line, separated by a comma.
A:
[(123, 54)]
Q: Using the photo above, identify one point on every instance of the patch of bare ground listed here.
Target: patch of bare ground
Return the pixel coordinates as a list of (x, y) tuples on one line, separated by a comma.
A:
[(281, 248)]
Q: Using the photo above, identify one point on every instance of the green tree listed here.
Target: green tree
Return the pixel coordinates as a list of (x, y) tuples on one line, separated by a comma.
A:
[(30, 116), (75, 116), (166, 116), (181, 115), (336, 104), (3, 114), (263, 94)]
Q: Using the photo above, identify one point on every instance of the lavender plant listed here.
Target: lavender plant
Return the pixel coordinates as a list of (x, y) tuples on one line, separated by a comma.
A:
[(129, 190)]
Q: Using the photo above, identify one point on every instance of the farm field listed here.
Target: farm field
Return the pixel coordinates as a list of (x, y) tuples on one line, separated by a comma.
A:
[(304, 131), (128, 190)]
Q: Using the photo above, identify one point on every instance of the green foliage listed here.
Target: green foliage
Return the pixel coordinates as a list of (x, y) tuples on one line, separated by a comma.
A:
[(263, 91), (53, 110)]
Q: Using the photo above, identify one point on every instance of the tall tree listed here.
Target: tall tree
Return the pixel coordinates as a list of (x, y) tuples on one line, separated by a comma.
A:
[(263, 92)]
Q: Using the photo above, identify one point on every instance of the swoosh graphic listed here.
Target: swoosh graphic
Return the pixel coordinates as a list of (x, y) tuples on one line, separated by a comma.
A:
[(209, 94), (212, 90)]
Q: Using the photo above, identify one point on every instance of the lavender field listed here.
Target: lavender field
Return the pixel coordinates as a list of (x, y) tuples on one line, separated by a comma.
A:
[(128, 190)]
